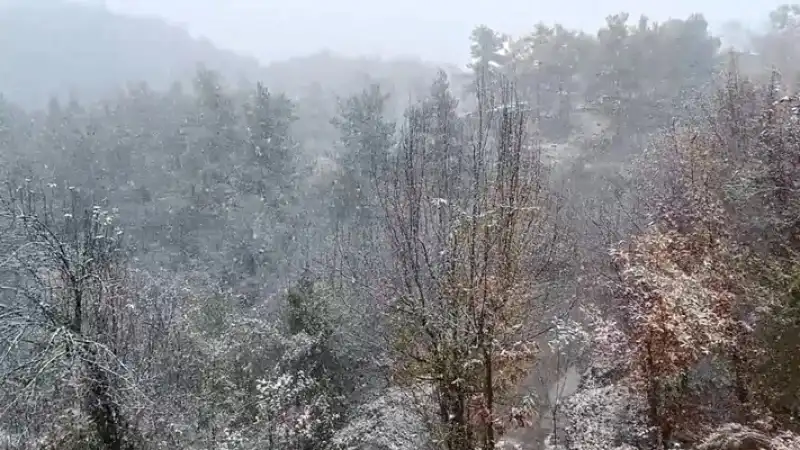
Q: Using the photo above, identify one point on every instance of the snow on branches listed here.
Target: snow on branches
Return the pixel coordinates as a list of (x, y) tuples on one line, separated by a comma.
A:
[(677, 310)]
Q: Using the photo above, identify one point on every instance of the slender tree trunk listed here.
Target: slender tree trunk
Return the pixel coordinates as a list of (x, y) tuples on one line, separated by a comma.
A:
[(653, 402), (740, 380), (452, 407), (488, 393), (102, 408)]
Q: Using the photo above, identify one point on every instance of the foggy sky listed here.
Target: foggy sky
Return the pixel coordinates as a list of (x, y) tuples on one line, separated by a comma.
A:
[(435, 30)]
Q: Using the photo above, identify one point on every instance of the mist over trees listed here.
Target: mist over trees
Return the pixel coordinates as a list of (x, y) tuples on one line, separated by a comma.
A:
[(582, 241)]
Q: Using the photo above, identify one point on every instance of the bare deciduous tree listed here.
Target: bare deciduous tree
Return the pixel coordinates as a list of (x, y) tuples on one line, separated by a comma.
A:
[(63, 309), (473, 236)]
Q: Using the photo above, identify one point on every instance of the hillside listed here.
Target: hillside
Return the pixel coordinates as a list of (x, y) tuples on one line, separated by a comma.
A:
[(56, 47), (62, 48)]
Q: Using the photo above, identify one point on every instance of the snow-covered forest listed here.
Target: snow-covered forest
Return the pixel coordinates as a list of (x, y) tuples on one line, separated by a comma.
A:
[(579, 241)]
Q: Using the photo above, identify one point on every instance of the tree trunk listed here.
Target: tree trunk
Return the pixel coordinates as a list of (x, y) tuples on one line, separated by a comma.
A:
[(103, 410), (653, 402), (453, 411), (488, 394)]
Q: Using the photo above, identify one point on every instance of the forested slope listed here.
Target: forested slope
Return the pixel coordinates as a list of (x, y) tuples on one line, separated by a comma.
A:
[(375, 264)]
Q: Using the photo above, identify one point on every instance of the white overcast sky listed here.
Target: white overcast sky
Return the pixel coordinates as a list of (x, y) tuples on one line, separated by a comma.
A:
[(432, 29)]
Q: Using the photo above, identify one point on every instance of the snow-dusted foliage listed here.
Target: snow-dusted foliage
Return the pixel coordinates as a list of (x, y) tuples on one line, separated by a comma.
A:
[(675, 300), (393, 421), (566, 333), (295, 409), (604, 414), (734, 436)]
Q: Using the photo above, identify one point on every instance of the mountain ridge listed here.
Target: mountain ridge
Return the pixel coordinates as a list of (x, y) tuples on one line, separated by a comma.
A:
[(65, 49)]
